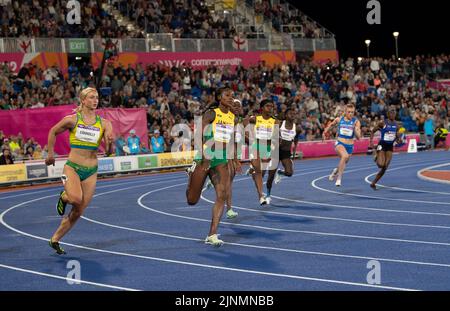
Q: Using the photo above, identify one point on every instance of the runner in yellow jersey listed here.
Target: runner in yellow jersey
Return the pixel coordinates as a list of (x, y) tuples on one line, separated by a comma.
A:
[(218, 131), (265, 130), (87, 130)]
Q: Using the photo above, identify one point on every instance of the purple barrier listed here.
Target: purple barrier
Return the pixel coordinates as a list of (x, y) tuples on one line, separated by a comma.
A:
[(37, 123)]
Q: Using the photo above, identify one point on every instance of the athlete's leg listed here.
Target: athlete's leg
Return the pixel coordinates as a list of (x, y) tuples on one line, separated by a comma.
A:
[(196, 181), (257, 177), (344, 158), (88, 190), (220, 178), (288, 168), (270, 181), (387, 157)]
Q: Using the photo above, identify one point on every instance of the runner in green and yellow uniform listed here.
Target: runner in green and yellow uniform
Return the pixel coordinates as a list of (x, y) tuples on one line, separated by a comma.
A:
[(218, 128), (261, 147), (87, 130)]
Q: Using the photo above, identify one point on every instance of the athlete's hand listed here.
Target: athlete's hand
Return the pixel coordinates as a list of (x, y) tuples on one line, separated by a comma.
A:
[(50, 160)]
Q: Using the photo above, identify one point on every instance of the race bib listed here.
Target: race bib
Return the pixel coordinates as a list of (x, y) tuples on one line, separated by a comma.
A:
[(88, 134), (346, 131), (223, 133), (389, 136), (264, 133), (287, 135)]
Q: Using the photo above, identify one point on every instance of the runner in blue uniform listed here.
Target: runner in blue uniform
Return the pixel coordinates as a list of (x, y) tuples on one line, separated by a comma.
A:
[(349, 128), (383, 153)]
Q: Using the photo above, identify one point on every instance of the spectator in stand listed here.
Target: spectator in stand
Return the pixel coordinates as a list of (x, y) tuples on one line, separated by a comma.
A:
[(120, 143), (429, 131), (6, 156), (134, 142), (157, 144)]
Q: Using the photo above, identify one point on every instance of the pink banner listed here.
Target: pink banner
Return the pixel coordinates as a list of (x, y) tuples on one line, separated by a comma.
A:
[(317, 149), (200, 60), (14, 60), (441, 85), (37, 123), (45, 60)]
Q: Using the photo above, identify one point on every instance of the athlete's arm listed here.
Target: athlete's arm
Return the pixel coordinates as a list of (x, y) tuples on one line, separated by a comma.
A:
[(108, 137), (331, 125), (373, 131), (298, 131), (358, 130), (66, 123)]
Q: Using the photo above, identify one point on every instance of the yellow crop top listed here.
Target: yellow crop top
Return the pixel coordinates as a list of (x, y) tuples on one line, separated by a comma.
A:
[(84, 136)]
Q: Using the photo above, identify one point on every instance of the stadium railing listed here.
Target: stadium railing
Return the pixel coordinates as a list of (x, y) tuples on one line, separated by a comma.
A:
[(164, 42)]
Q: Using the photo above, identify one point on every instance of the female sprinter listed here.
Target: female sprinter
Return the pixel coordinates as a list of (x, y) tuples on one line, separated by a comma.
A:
[(288, 134), (261, 148), (389, 134), (80, 172), (235, 165), (218, 126), (349, 127)]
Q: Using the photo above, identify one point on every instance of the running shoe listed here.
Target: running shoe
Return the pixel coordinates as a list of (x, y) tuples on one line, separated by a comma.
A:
[(55, 245), (338, 183), (333, 174), (277, 179), (214, 240), (262, 201), (191, 169), (231, 214), (61, 205), (250, 171), (268, 200)]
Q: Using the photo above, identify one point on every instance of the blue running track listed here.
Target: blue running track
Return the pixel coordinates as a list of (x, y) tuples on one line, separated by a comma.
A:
[(139, 234)]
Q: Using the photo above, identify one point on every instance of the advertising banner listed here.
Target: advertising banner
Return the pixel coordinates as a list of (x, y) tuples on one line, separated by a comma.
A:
[(122, 164), (200, 60), (175, 159), (13, 172), (105, 165), (37, 171), (147, 161), (316, 149)]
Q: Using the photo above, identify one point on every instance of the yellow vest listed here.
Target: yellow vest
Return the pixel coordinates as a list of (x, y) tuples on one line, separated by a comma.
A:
[(223, 126), (84, 136), (264, 128)]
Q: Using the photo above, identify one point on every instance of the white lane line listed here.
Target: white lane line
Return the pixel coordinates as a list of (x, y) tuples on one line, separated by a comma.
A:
[(432, 264), (54, 276), (279, 229), (440, 181), (193, 264), (406, 189), (314, 184), (330, 218), (54, 187)]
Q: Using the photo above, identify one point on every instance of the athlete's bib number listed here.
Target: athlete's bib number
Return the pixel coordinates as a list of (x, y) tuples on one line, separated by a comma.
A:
[(223, 133), (390, 136), (263, 132), (87, 134), (288, 135), (346, 132)]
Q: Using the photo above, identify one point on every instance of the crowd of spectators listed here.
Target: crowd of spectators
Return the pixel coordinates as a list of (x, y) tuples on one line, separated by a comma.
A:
[(48, 18), (318, 92), (182, 18), (286, 19)]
